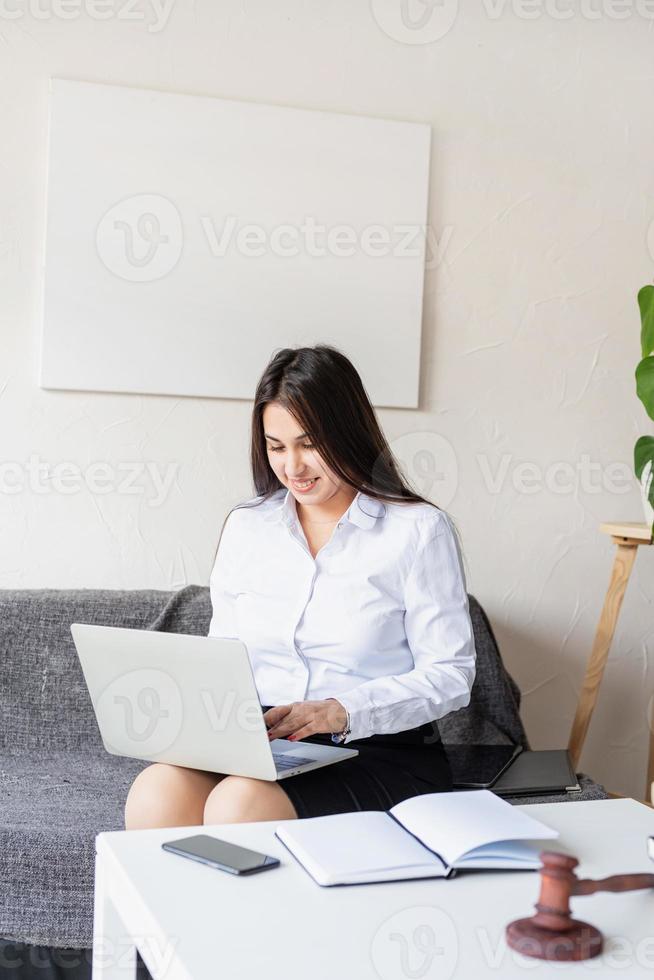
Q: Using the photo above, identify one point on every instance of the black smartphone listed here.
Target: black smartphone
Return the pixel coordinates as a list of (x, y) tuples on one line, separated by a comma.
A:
[(221, 854)]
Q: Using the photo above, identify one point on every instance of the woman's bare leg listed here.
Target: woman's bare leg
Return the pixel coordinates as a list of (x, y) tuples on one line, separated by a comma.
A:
[(164, 795), (239, 799)]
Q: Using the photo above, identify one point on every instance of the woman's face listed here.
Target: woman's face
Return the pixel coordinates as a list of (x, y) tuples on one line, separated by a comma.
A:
[(293, 458)]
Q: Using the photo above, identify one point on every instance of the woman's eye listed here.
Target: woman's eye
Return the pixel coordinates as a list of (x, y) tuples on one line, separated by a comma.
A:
[(278, 449)]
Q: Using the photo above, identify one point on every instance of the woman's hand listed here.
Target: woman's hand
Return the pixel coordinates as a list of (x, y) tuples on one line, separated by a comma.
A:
[(302, 718)]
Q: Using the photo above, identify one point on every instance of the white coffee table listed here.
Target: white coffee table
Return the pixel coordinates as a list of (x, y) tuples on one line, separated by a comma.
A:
[(191, 922)]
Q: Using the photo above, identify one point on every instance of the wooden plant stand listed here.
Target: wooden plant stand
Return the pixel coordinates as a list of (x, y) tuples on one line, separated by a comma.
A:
[(627, 538)]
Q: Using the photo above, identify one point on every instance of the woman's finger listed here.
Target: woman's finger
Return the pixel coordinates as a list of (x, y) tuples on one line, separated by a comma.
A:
[(274, 715), (283, 728), (304, 731)]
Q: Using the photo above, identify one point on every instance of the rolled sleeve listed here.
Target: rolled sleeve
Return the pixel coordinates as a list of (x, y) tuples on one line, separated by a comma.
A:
[(440, 636)]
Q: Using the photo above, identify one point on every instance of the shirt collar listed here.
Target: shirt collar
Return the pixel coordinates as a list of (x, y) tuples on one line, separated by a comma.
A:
[(364, 511)]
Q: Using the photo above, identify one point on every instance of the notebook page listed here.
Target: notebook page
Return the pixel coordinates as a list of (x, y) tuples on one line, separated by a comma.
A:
[(350, 845), (503, 854), (453, 824)]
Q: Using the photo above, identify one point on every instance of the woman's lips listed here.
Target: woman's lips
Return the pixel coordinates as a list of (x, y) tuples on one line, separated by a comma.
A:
[(305, 489)]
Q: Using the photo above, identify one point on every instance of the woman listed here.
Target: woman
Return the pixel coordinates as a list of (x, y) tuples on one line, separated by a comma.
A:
[(348, 590)]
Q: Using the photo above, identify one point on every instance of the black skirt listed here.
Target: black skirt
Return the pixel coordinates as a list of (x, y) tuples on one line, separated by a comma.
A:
[(387, 770)]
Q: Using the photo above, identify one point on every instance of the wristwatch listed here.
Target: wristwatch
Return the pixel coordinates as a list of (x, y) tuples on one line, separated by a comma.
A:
[(338, 737)]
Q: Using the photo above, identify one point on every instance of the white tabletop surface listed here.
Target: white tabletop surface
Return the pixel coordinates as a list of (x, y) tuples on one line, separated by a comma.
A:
[(280, 923)]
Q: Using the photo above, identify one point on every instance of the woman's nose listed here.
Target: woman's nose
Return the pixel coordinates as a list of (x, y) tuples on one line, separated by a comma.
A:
[(296, 468)]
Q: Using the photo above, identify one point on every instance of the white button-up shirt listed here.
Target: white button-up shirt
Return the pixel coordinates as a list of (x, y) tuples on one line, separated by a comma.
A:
[(379, 619)]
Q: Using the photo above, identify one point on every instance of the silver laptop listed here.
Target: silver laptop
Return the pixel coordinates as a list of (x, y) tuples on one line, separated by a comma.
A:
[(186, 700)]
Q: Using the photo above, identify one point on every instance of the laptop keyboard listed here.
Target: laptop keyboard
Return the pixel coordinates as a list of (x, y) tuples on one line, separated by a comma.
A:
[(283, 761)]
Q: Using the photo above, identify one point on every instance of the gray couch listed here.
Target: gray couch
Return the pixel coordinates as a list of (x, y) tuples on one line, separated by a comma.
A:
[(59, 787)]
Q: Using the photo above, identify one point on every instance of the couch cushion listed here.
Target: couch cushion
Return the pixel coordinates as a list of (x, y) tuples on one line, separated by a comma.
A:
[(52, 805)]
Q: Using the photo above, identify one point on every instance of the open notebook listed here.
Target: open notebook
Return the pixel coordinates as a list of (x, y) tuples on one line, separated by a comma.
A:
[(427, 836)]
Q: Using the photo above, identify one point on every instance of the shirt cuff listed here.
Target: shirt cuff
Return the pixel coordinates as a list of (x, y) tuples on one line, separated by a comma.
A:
[(360, 715)]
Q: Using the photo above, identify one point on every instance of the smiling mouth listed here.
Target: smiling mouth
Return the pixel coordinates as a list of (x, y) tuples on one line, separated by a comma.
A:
[(303, 485)]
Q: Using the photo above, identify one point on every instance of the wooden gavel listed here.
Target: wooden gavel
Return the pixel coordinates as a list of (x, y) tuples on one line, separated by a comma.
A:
[(552, 934)]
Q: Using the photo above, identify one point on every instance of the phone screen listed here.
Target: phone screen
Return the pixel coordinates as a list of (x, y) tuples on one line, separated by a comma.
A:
[(221, 854)]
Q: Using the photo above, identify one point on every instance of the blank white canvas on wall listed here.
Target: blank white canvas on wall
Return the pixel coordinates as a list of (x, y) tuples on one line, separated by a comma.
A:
[(189, 237)]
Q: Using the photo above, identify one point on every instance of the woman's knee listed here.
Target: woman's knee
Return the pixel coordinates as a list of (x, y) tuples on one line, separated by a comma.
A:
[(164, 795), (239, 799)]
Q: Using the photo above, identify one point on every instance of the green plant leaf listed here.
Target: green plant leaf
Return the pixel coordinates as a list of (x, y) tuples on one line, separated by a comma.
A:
[(646, 304), (650, 493), (643, 454), (645, 384)]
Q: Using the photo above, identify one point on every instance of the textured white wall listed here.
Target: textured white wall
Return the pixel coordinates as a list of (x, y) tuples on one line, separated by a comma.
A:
[(542, 193)]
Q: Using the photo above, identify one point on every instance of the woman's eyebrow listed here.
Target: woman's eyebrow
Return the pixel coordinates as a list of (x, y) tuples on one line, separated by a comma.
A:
[(275, 439)]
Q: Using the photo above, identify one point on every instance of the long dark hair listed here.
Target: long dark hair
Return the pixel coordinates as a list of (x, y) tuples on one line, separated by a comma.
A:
[(320, 387)]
